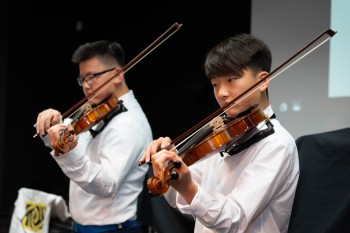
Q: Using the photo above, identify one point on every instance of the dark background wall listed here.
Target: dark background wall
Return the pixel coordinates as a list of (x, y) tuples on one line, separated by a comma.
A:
[(38, 40)]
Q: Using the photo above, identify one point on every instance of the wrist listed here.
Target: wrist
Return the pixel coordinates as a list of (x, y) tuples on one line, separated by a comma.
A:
[(189, 192)]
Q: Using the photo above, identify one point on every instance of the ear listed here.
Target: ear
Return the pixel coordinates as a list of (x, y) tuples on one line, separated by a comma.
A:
[(265, 84), (119, 75)]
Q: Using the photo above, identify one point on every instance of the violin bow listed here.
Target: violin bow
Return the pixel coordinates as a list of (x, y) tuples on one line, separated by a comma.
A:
[(272, 75), (155, 44)]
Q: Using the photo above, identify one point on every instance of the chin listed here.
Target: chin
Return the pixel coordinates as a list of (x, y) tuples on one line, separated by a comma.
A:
[(232, 114), (94, 102)]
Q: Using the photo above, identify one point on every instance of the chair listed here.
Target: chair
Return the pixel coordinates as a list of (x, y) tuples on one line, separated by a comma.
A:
[(33, 210), (322, 201)]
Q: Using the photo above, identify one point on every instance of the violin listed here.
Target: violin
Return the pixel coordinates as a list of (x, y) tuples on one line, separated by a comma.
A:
[(210, 138), (85, 117), (84, 121), (218, 137)]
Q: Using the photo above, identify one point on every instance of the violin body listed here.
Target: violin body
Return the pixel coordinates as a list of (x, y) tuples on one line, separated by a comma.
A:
[(228, 133), (95, 115)]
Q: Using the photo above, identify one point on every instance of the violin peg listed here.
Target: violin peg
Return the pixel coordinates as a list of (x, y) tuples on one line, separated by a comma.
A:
[(174, 175), (177, 164)]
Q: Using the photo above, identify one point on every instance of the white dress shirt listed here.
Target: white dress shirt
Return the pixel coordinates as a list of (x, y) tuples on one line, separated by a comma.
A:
[(105, 179), (250, 192)]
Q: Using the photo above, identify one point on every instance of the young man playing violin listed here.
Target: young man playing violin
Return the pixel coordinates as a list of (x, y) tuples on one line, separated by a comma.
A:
[(101, 162), (248, 186)]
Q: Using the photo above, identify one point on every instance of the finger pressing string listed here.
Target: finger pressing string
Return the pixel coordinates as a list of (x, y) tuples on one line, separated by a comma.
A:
[(163, 146)]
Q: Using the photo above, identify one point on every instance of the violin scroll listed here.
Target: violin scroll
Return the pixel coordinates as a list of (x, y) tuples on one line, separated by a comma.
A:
[(61, 146), (157, 185)]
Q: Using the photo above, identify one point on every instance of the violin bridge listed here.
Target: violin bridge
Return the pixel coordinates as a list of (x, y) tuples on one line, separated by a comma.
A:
[(216, 123)]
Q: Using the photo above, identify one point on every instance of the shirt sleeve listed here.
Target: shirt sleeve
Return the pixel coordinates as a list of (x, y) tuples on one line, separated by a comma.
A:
[(110, 161), (263, 178)]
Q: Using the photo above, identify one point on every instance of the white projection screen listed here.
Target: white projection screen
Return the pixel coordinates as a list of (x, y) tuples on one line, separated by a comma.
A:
[(313, 95)]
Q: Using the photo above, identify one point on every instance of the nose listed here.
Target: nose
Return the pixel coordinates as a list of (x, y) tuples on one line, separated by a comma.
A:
[(222, 92), (86, 88)]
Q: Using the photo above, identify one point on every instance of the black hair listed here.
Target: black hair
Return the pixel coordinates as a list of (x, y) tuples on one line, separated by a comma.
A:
[(233, 55), (108, 52)]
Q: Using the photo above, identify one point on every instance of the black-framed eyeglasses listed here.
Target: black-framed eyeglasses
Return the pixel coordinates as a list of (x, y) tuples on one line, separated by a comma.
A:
[(91, 77)]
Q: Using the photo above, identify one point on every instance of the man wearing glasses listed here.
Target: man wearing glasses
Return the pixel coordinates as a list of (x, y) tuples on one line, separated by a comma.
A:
[(101, 162)]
